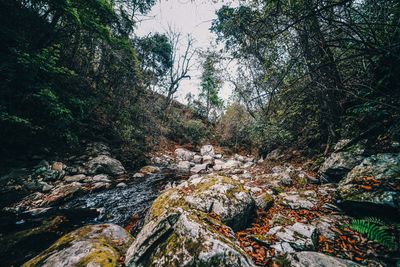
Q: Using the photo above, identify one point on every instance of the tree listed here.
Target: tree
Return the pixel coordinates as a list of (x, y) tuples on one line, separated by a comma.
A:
[(210, 86), (313, 68), (180, 64)]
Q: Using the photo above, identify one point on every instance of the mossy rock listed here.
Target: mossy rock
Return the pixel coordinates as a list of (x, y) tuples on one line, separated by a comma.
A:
[(92, 245), (221, 195), (186, 238), (372, 186)]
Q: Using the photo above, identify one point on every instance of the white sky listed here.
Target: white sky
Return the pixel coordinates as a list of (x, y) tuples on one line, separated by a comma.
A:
[(189, 17)]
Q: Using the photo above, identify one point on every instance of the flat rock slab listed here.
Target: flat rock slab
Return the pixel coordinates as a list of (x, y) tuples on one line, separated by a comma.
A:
[(314, 259), (299, 200), (299, 236)]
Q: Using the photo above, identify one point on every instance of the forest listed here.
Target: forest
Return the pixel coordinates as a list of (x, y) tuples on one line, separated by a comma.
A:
[(102, 162)]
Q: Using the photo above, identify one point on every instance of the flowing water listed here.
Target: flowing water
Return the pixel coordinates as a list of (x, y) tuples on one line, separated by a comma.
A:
[(23, 236)]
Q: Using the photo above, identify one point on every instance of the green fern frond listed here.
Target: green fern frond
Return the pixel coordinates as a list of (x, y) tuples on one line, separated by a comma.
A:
[(375, 229)]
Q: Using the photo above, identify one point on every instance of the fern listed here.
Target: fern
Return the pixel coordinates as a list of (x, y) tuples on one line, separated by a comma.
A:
[(375, 229)]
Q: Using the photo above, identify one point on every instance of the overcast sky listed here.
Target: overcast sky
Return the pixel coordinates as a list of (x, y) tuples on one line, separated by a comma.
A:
[(188, 17)]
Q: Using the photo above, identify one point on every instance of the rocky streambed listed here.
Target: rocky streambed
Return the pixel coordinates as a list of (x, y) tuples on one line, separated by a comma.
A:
[(231, 211)]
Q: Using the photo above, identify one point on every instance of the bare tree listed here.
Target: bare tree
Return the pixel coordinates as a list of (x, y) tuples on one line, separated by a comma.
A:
[(181, 56)]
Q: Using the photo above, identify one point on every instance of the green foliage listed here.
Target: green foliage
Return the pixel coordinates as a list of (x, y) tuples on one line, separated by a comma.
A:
[(210, 85), (70, 72), (186, 130), (234, 128), (270, 134), (375, 229)]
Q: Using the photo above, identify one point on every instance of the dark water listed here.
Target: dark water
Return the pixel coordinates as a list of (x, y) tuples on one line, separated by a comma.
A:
[(23, 236)]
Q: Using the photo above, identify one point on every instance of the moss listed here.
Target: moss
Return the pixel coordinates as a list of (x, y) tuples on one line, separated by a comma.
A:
[(267, 197), (102, 254), (166, 201)]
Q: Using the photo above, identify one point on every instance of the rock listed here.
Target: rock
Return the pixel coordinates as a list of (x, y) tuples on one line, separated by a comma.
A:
[(311, 259), (183, 166), (75, 178), (197, 159), (105, 164), (231, 164), (121, 185), (283, 178), (247, 165), (92, 245), (239, 158), (209, 160), (370, 188), (299, 236), (101, 178), (299, 200), (338, 164), (61, 193), (207, 150), (50, 175), (263, 201), (57, 166), (199, 168), (149, 169), (217, 167), (138, 175), (219, 194), (275, 154), (100, 186), (46, 187), (183, 154), (183, 238)]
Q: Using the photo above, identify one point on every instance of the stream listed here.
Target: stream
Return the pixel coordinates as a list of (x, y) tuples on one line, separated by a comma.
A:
[(24, 235)]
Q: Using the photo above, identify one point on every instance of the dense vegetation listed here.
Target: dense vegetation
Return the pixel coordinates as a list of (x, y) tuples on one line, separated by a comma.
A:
[(311, 72), (74, 71)]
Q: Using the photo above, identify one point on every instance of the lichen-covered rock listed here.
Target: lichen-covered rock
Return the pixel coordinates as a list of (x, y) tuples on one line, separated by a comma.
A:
[(207, 150), (199, 168), (183, 154), (222, 195), (373, 185), (180, 238), (299, 199), (183, 166), (338, 164), (104, 164), (209, 160), (231, 164), (92, 245), (311, 259), (263, 201), (298, 236)]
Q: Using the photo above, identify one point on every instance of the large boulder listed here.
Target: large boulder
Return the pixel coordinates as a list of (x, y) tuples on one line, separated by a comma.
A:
[(225, 197), (92, 245), (105, 164), (183, 154), (180, 237), (372, 187), (338, 164), (207, 150), (311, 259)]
